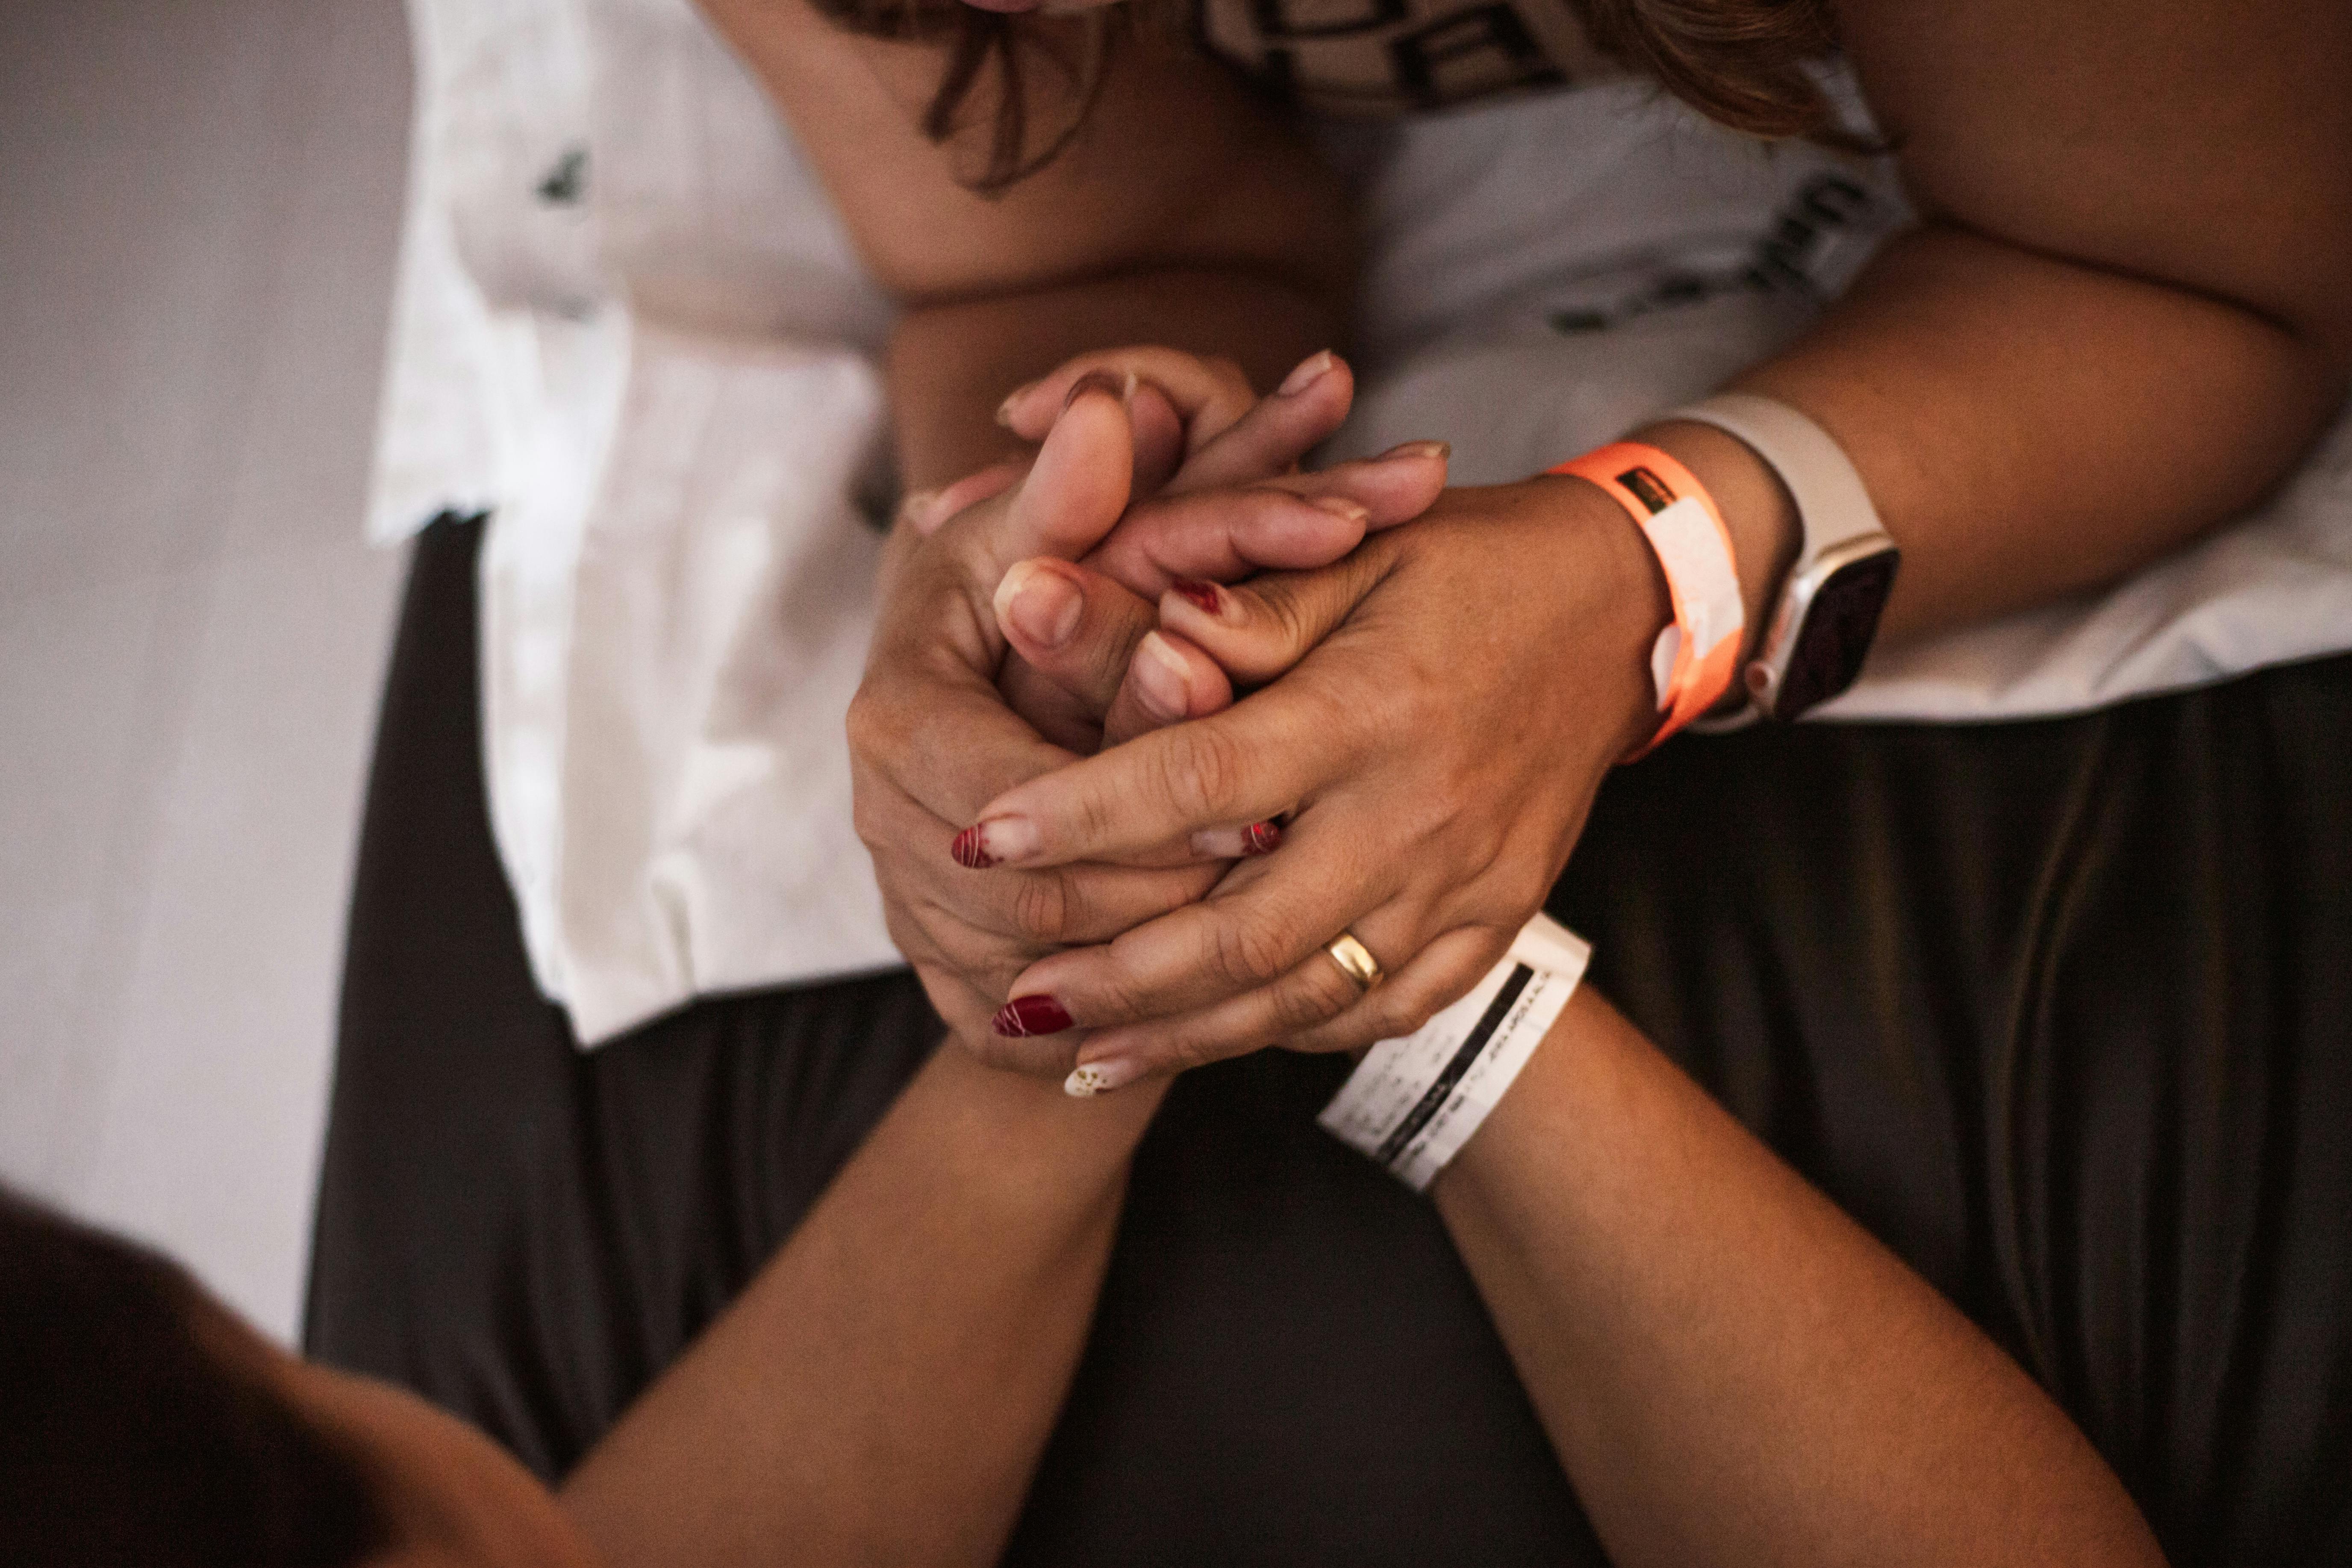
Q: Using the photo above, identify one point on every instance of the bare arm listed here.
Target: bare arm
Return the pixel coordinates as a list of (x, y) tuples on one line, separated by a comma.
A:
[(2127, 313), (1182, 214), (1732, 1370), (881, 1391)]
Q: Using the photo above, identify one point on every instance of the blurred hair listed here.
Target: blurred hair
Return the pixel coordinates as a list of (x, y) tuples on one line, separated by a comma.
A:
[(1010, 69), (127, 1438), (1742, 63)]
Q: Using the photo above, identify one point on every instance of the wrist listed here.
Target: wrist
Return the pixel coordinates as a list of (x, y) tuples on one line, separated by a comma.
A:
[(1757, 509), (1621, 596), (1029, 1124)]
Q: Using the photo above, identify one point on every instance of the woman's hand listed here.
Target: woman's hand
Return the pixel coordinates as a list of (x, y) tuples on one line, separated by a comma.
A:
[(1461, 686), (931, 735), (1085, 666)]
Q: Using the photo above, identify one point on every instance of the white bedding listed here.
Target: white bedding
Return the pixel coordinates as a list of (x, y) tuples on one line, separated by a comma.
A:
[(630, 327)]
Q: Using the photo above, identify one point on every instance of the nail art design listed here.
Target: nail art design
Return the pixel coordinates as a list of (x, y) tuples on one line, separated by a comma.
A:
[(1100, 1077), (999, 841), (1202, 597), (1025, 1017), (970, 849), (1261, 838)]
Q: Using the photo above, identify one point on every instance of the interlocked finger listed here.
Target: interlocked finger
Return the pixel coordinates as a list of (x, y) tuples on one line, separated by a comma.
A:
[(1075, 632), (1208, 393), (1304, 1011), (1259, 630), (1266, 921)]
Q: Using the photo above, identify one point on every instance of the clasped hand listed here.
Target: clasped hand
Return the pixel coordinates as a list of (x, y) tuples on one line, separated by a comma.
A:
[(1073, 819)]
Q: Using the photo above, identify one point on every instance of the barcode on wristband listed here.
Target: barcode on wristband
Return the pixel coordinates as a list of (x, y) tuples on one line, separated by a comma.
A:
[(1413, 1102)]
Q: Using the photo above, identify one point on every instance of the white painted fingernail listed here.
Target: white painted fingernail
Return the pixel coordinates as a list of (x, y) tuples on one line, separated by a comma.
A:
[(1310, 371), (1005, 409), (1162, 683), (1100, 1077), (1218, 844), (1040, 604), (919, 510)]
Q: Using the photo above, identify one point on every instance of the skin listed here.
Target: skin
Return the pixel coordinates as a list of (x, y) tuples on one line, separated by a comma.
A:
[(880, 1392), (2101, 341), (1730, 1370)]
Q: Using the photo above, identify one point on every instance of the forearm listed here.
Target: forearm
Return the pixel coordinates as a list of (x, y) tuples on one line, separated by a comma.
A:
[(2030, 426), (952, 364), (1732, 1370), (882, 1390)]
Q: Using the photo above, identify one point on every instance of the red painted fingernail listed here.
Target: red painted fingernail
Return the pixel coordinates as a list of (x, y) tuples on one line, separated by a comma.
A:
[(1026, 1015), (1261, 838), (1199, 594), (970, 849), (1118, 386)]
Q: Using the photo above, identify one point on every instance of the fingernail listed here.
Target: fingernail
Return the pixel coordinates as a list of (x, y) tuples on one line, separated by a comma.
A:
[(1161, 681), (1025, 1017), (1234, 843), (1101, 1077), (996, 842), (1005, 409), (914, 504), (1340, 506), (971, 850), (1202, 597), (1120, 387), (1441, 450), (1310, 370), (1040, 604)]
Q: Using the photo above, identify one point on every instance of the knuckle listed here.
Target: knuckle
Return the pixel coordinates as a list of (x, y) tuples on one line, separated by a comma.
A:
[(1250, 951), (866, 817), (1397, 1015), (865, 723), (1316, 994), (1201, 771), (1188, 1051), (1287, 617), (1230, 377), (1041, 905)]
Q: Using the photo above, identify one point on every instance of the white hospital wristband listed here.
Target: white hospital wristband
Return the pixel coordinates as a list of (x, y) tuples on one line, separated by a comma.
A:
[(1412, 1103)]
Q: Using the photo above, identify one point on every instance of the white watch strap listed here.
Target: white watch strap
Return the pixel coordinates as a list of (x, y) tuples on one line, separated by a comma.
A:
[(1833, 510), (1412, 1103), (1832, 506)]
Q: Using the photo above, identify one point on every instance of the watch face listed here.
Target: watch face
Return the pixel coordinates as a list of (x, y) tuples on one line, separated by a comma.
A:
[(1839, 625)]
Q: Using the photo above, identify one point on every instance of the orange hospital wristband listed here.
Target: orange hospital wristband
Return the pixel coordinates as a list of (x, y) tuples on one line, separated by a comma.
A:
[(1695, 659)]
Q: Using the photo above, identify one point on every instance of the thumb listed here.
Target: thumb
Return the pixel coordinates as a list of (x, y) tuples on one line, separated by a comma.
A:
[(1256, 631), (1079, 485)]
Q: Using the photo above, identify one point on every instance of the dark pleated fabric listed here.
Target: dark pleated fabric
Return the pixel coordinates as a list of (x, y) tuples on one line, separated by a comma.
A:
[(2062, 1011)]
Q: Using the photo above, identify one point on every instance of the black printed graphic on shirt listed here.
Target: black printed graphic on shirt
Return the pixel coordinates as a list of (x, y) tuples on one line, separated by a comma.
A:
[(1393, 56)]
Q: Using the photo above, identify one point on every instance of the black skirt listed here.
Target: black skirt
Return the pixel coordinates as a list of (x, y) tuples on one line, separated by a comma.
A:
[(2061, 1010)]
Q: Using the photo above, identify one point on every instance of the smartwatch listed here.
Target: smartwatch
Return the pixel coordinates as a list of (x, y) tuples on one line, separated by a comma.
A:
[(1821, 629)]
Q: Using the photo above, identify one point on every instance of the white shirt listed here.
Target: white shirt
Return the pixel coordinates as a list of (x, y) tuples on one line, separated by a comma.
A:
[(629, 326)]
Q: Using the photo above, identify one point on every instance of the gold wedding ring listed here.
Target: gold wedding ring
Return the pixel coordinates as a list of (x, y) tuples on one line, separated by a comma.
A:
[(1355, 960)]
